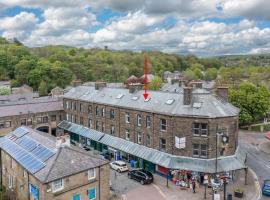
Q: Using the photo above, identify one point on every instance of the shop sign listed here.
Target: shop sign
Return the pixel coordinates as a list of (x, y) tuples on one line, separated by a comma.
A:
[(180, 143)]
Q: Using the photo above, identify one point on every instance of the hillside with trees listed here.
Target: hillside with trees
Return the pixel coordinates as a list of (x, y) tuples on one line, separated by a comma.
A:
[(44, 68)]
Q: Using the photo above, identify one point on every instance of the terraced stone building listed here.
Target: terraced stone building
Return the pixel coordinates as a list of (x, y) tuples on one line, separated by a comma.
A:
[(191, 123)]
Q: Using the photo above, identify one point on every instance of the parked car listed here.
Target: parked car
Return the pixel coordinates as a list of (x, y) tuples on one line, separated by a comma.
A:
[(266, 188), (119, 166), (142, 176)]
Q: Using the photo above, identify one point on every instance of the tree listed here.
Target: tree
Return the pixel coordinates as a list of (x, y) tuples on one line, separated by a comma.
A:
[(156, 83), (210, 74), (253, 101), (42, 89)]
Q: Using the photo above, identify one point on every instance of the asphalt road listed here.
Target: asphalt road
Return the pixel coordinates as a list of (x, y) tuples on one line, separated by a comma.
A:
[(258, 161)]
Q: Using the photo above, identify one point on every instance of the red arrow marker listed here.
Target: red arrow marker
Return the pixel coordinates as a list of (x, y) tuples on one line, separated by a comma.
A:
[(145, 94)]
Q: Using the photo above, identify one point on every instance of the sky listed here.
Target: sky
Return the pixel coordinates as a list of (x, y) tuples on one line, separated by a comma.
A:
[(200, 27)]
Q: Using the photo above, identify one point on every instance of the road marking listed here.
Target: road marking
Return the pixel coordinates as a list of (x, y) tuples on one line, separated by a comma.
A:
[(124, 197), (160, 191), (267, 166), (257, 184)]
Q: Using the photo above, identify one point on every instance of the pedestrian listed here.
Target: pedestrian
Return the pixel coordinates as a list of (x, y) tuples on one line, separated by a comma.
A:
[(193, 186)]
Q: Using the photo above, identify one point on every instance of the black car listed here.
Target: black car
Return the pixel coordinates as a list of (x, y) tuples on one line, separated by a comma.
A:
[(142, 176)]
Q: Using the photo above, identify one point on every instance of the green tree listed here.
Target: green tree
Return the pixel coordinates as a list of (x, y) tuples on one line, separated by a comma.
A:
[(156, 83), (42, 89), (253, 101), (210, 74)]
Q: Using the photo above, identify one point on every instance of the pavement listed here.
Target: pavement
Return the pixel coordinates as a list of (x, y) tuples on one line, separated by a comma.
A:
[(258, 154), (132, 190)]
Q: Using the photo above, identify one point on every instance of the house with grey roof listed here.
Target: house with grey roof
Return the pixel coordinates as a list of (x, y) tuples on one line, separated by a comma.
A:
[(40, 166), (192, 123)]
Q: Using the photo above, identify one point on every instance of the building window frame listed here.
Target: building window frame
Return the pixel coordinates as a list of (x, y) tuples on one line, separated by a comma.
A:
[(10, 181), (127, 118), (58, 185), (112, 114), (163, 124), (127, 134), (95, 193), (148, 121), (139, 137), (200, 150), (200, 129), (162, 144), (139, 120), (91, 174), (112, 130)]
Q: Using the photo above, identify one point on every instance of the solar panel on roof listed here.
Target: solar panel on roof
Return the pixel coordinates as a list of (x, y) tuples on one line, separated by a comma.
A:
[(42, 153), (27, 143), (19, 132), (28, 161)]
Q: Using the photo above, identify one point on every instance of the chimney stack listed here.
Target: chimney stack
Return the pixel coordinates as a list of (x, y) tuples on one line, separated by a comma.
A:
[(100, 84), (76, 83), (223, 92), (187, 95), (63, 141), (134, 87)]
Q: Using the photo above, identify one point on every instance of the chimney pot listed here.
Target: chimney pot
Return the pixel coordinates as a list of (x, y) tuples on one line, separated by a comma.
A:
[(100, 84)]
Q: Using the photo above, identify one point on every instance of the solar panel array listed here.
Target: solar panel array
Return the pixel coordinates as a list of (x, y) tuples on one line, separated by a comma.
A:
[(19, 132), (42, 153), (26, 159), (27, 143), (25, 150)]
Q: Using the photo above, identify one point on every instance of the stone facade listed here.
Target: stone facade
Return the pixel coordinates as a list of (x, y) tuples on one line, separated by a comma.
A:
[(153, 136), (74, 184), (41, 121)]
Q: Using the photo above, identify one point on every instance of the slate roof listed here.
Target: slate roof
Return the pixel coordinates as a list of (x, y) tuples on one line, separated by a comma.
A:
[(225, 163), (210, 106), (66, 161)]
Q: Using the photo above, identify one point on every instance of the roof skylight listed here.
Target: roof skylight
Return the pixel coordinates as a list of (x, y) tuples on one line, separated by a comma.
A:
[(119, 96), (169, 101)]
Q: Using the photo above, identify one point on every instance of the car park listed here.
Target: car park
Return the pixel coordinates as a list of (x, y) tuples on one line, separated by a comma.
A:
[(142, 176), (119, 166), (266, 188)]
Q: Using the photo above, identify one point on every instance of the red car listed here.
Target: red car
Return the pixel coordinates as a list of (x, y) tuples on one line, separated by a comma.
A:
[(267, 135)]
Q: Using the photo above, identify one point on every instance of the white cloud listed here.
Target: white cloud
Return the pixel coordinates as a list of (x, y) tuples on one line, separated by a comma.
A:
[(22, 21), (60, 20), (125, 28)]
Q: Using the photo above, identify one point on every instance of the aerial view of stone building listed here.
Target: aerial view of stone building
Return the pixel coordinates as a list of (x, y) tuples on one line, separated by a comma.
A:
[(191, 124), (28, 109), (38, 166)]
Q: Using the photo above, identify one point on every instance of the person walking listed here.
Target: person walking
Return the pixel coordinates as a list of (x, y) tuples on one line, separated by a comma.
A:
[(193, 186)]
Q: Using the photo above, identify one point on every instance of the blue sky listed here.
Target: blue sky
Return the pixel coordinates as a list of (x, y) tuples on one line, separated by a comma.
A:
[(201, 27)]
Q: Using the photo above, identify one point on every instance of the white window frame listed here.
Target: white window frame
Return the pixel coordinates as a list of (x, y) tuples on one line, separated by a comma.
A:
[(148, 121), (163, 125), (112, 129), (91, 174), (139, 120), (90, 123), (127, 118), (58, 185), (10, 181), (24, 173), (103, 112)]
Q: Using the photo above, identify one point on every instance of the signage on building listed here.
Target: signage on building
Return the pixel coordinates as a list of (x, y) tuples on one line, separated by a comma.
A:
[(180, 143)]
